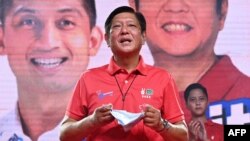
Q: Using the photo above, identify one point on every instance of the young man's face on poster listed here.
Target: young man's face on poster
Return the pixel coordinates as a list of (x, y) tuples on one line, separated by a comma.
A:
[(47, 41)]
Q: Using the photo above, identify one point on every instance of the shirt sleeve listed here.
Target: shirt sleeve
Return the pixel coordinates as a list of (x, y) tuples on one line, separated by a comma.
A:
[(76, 108), (171, 102)]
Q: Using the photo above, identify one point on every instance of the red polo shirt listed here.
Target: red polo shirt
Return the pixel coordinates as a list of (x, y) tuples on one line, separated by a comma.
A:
[(215, 131), (127, 91)]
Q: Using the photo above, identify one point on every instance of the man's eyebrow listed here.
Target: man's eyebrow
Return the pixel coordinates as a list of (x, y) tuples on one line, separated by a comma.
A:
[(32, 11), (24, 10), (70, 10)]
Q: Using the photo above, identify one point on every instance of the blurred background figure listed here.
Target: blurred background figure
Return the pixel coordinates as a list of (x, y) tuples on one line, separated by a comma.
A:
[(201, 128)]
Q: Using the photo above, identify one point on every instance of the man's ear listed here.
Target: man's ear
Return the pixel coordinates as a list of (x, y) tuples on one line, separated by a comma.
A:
[(95, 41), (107, 39), (143, 38), (223, 13), (2, 48)]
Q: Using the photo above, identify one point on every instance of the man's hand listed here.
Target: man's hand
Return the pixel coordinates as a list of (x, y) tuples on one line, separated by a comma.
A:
[(152, 118), (102, 115), (197, 130)]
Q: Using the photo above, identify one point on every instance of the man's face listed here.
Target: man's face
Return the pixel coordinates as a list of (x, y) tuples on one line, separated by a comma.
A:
[(180, 27), (48, 43), (125, 35), (197, 103)]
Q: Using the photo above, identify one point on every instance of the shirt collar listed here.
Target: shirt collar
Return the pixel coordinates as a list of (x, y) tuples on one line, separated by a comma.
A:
[(12, 127), (141, 68), (226, 74), (209, 122)]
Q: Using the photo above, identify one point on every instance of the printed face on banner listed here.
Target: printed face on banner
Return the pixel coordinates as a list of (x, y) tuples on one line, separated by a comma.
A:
[(181, 27), (48, 43)]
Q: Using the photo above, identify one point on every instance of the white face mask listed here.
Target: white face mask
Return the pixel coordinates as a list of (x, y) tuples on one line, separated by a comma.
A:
[(126, 119)]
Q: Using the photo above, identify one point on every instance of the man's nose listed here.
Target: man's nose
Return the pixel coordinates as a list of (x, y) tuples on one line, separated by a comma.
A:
[(176, 6), (198, 102), (48, 37), (124, 29)]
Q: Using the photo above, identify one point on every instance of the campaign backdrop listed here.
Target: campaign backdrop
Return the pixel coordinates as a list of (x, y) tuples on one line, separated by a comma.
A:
[(233, 40)]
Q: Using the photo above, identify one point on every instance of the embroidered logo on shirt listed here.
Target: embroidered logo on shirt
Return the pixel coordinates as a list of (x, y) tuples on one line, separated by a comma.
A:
[(15, 138), (9, 136), (102, 95), (146, 93)]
